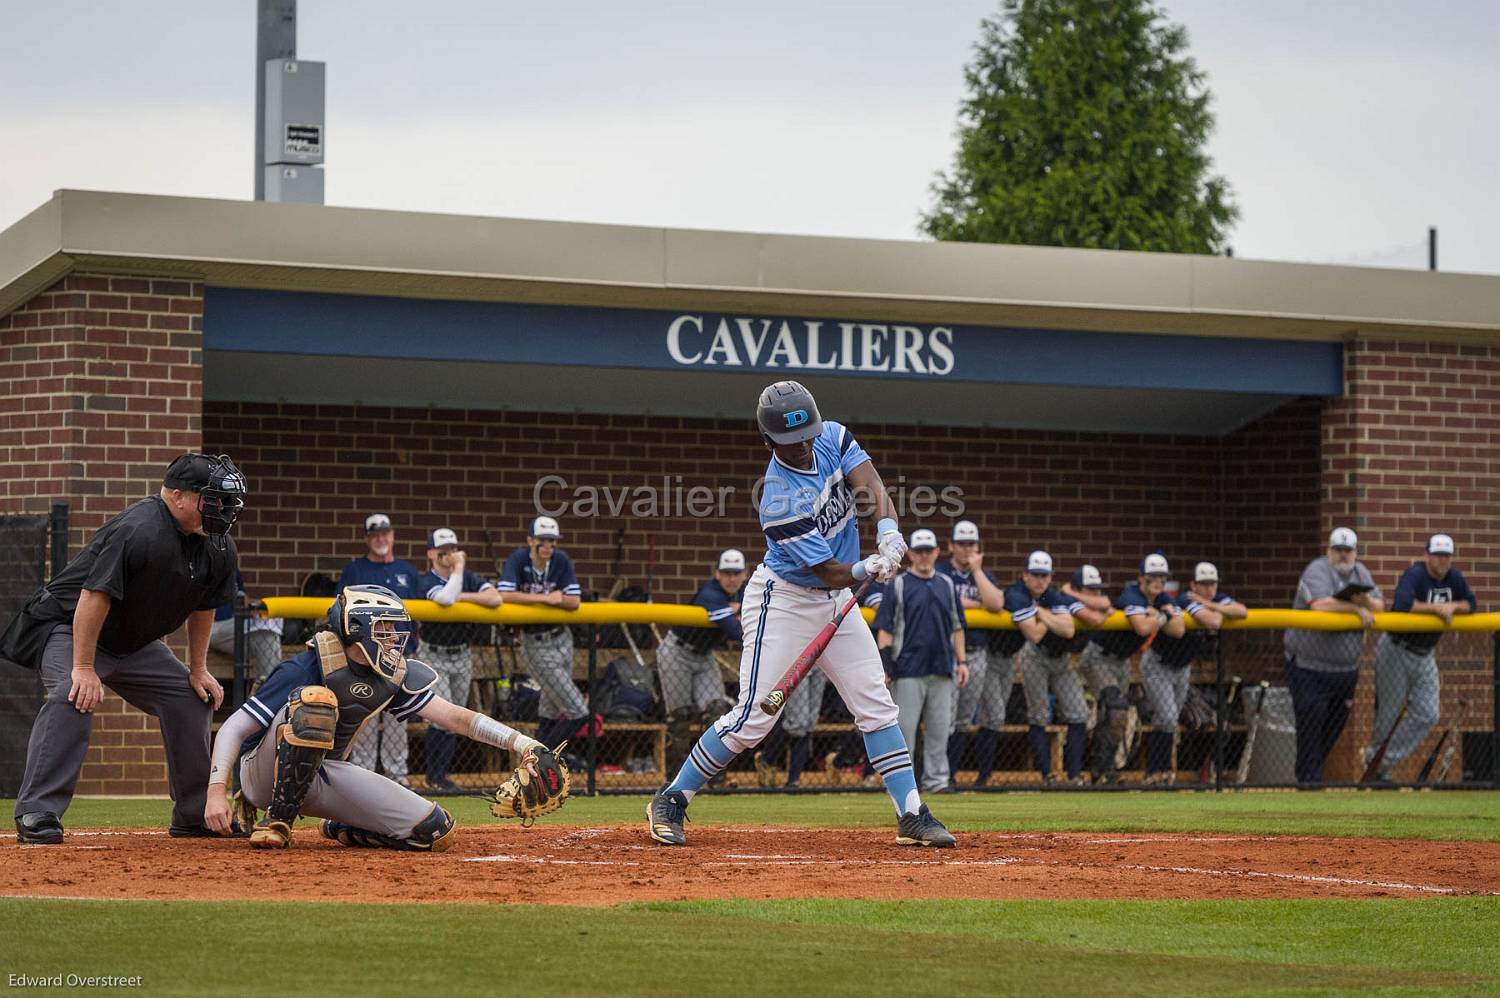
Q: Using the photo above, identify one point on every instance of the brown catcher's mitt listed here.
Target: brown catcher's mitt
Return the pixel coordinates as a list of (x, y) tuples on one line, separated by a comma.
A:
[(538, 787)]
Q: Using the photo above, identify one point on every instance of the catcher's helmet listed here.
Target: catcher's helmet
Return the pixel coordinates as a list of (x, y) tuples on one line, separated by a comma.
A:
[(366, 616), (787, 414)]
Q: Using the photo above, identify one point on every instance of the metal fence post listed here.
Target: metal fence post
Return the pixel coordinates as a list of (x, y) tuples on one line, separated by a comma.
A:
[(57, 526), (1221, 727), (1494, 718), (241, 625), (593, 730)]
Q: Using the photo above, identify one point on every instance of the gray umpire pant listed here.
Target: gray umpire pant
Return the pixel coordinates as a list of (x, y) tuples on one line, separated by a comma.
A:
[(1043, 674), (341, 790), (153, 681), (549, 660), (927, 700), (691, 682), (1167, 688), (1404, 676)]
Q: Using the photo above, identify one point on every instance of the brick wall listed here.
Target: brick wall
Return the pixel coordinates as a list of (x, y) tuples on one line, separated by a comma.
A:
[(316, 471), (100, 387)]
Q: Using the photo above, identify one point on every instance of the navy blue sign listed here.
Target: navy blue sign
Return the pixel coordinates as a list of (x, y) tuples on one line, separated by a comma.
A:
[(287, 322)]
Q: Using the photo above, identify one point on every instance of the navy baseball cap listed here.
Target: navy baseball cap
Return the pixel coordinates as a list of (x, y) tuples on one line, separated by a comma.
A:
[(1088, 577)]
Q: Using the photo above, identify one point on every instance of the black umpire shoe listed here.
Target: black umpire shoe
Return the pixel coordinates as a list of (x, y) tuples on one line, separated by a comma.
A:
[(922, 829), (204, 832), (39, 828), (664, 817)]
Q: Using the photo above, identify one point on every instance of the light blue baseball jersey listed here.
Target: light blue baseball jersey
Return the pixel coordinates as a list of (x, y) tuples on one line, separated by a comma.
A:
[(808, 516)]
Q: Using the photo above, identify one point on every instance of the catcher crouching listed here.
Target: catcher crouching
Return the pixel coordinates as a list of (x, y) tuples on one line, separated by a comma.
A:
[(288, 746)]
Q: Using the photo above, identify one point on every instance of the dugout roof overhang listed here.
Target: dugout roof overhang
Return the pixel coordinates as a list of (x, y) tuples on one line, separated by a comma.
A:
[(382, 307)]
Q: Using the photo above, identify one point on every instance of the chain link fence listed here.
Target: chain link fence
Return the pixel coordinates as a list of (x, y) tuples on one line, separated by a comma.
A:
[(24, 546), (1227, 719)]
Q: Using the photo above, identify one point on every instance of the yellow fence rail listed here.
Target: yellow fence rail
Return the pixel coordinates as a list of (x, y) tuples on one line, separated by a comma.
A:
[(681, 615)]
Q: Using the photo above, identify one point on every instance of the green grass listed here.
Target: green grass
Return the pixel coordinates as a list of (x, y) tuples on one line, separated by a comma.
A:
[(1431, 947), (1465, 815)]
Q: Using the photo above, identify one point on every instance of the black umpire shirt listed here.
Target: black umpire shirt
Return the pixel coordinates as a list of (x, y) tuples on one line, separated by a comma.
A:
[(155, 574)]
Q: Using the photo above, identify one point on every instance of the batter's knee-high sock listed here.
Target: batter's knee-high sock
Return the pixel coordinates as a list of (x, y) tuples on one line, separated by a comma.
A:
[(708, 759), (1041, 752), (1078, 737), (957, 743), (986, 744), (892, 760), (801, 751)]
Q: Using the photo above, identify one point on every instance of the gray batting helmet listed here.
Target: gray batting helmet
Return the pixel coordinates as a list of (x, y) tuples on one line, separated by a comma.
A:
[(787, 413)]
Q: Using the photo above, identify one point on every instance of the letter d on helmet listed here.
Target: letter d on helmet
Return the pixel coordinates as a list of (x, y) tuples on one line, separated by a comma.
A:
[(787, 414)]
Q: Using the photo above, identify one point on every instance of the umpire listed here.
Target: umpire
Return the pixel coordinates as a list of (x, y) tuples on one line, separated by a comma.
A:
[(164, 560)]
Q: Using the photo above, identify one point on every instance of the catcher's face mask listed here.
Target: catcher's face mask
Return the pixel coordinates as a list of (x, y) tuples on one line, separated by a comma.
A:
[(369, 615)]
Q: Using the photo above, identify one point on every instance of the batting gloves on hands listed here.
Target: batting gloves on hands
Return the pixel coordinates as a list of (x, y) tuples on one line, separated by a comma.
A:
[(878, 565), (889, 540)]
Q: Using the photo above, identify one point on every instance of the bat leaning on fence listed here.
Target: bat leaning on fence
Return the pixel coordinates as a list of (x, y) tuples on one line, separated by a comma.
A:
[(1208, 772), (1254, 727), (776, 699), (1375, 760), (1447, 744)]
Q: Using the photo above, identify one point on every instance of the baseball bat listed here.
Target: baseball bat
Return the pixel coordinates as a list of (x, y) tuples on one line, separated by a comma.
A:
[(1208, 772), (776, 699), (1260, 705), (1454, 733), (1385, 743)]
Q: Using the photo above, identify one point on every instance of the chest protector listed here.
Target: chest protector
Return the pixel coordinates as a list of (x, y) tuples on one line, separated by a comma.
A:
[(362, 693)]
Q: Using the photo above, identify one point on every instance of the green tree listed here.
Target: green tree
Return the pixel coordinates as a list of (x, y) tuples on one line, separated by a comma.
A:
[(1084, 126)]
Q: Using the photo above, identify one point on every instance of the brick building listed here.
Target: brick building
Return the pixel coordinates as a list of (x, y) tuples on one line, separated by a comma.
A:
[(437, 368)]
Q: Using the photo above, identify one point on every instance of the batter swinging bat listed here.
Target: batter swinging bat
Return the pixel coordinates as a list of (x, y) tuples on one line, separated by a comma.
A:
[(1260, 706), (1379, 756), (776, 699)]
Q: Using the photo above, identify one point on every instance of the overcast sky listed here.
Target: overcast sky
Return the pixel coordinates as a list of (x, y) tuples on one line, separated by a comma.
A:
[(1346, 128)]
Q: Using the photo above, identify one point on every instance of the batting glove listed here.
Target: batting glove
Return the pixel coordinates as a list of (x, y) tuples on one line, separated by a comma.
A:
[(889, 540), (877, 565)]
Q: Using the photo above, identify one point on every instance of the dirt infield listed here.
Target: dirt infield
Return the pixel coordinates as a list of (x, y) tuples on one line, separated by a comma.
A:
[(606, 865)]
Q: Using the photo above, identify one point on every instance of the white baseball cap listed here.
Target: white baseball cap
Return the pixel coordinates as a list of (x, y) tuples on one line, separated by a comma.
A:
[(545, 526), (732, 560), (1343, 537), (923, 540), (1088, 577), (965, 530), (1205, 571), (376, 522), (441, 537), (1440, 544), (1154, 564), (1039, 563)]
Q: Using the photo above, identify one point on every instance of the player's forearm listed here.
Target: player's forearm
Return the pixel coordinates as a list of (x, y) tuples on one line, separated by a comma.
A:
[(990, 596), (526, 599), (834, 575), (449, 592), (491, 732), (488, 597), (866, 482), (199, 626), (1060, 624), (232, 734), (88, 621), (1232, 611)]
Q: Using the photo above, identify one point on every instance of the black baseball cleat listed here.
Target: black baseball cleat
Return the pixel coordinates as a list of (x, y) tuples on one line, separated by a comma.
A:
[(922, 829), (664, 817), (39, 828), (204, 832)]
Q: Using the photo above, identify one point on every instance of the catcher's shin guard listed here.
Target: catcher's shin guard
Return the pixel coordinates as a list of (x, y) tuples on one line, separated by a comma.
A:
[(301, 743), (434, 833)]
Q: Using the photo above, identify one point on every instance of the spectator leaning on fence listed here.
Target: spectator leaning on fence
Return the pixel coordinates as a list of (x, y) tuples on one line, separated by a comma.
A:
[(977, 590), (1106, 678), (1166, 667), (919, 630), (262, 635), (1406, 664), (381, 567), (1047, 676), (692, 684), (1322, 667), (541, 574), (446, 647)]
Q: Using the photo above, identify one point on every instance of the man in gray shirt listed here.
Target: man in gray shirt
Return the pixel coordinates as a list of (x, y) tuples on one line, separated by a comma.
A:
[(1322, 667)]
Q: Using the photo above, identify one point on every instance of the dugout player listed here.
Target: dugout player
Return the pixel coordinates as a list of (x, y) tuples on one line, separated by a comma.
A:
[(1044, 616), (1166, 666), (1322, 667), (816, 474), (1406, 664), (919, 631), (977, 590), (1106, 659), (446, 646), (541, 574), (380, 567), (692, 688), (289, 744), (162, 561)]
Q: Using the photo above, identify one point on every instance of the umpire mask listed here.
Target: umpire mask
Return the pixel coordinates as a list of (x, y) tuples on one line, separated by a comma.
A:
[(223, 499), (367, 616)]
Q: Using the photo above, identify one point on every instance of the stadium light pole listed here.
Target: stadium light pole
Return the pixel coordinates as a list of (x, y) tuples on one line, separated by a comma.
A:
[(1432, 247), (275, 38)]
